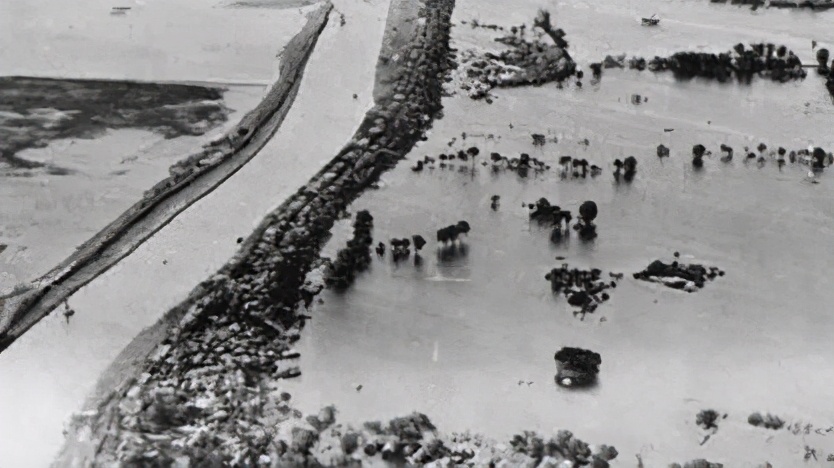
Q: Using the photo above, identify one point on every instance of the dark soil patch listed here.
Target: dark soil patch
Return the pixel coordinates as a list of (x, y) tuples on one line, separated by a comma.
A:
[(35, 111)]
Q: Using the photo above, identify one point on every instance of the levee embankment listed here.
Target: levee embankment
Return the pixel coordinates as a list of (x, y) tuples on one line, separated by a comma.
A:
[(189, 180)]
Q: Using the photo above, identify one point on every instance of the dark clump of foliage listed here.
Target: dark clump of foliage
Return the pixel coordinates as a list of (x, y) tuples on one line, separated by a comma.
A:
[(356, 256), (708, 419), (743, 63)]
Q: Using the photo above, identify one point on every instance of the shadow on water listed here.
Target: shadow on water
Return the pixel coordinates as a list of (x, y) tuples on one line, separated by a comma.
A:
[(588, 388), (454, 251)]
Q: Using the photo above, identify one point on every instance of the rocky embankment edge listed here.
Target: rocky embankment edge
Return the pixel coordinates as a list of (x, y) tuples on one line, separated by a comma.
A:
[(190, 180), (207, 391)]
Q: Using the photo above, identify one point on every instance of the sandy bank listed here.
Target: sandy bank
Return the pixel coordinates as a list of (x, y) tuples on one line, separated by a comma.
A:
[(190, 180)]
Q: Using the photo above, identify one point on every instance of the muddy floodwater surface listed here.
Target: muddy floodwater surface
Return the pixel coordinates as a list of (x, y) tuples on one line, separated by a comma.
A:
[(454, 338), (470, 340)]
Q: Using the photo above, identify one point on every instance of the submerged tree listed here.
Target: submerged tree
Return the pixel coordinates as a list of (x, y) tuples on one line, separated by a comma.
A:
[(542, 21)]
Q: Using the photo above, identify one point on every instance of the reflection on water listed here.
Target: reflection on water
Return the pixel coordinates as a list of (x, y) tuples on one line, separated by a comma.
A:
[(469, 339)]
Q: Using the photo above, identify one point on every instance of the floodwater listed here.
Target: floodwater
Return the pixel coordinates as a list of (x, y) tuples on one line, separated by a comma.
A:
[(199, 40), (470, 341), (48, 373)]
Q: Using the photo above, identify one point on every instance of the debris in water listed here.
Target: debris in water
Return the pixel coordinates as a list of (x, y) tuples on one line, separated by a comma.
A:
[(68, 311), (689, 278)]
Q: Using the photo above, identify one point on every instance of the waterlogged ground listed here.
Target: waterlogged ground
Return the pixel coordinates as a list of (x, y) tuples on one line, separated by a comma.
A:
[(455, 338)]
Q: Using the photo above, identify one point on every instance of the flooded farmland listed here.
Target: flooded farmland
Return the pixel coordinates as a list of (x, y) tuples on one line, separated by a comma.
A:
[(464, 335), (469, 340)]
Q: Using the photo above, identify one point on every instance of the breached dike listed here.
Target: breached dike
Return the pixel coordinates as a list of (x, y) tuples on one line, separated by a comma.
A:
[(191, 179), (235, 330), (527, 61), (209, 392)]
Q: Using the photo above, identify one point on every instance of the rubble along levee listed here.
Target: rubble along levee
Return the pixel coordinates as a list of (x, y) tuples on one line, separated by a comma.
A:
[(235, 330), (190, 180)]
